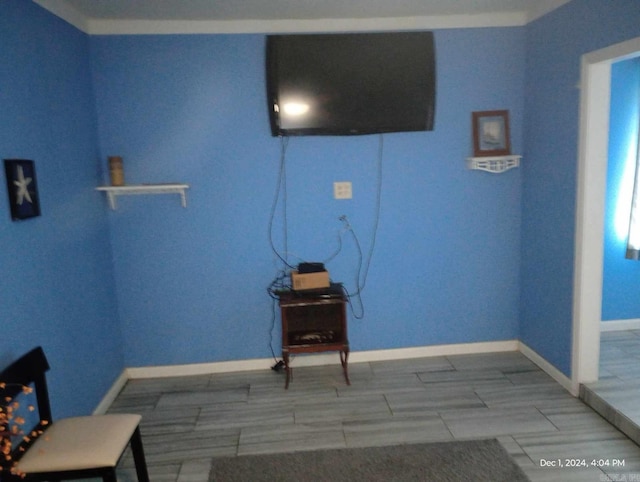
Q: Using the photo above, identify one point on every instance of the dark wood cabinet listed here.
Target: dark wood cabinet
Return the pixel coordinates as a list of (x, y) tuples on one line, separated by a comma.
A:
[(314, 321)]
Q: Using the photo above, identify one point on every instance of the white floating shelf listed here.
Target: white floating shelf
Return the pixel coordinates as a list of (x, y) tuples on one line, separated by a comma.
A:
[(494, 165), (115, 191)]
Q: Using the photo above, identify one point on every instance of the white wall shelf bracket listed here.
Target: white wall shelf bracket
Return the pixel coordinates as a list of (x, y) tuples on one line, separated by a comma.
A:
[(114, 191), (495, 164)]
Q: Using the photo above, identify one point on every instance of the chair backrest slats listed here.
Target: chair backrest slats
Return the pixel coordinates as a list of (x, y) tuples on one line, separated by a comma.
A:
[(27, 370)]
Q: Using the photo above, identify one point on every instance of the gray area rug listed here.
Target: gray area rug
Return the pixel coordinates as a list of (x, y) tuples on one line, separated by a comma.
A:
[(476, 460)]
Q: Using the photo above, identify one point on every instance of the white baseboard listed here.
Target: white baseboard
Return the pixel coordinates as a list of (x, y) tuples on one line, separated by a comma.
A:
[(330, 358), (436, 350), (549, 369), (111, 395), (321, 359), (620, 325)]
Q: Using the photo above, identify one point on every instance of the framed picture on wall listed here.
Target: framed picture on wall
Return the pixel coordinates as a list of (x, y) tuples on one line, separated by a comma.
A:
[(22, 188), (491, 133)]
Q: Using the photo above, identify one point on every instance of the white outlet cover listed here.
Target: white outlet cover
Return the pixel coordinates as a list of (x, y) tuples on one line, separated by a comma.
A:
[(342, 190)]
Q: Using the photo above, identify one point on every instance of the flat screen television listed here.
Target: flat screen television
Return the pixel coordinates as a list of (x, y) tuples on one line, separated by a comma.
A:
[(350, 84)]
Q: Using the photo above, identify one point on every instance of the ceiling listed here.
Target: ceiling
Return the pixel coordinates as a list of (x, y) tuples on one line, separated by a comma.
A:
[(112, 16)]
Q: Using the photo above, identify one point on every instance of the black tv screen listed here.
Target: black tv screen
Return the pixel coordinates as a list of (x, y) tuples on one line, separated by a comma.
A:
[(350, 84)]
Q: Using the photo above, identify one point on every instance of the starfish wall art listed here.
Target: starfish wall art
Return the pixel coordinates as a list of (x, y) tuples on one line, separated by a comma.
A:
[(22, 188)]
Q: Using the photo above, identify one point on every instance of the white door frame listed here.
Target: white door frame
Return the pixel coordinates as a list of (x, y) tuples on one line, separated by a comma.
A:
[(590, 207)]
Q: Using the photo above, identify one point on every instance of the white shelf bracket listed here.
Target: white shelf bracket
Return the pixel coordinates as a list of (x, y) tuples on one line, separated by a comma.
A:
[(495, 165), (136, 189)]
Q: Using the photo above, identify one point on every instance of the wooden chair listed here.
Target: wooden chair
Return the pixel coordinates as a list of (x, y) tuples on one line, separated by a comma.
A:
[(71, 448)]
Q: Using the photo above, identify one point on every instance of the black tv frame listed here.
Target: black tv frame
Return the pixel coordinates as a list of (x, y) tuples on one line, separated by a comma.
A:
[(422, 46)]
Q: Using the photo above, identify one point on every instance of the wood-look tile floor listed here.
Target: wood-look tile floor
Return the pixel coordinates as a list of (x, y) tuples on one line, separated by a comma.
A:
[(189, 421), (617, 393)]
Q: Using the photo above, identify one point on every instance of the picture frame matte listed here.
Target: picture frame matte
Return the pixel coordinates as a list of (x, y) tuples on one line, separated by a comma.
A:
[(22, 188), (491, 133)]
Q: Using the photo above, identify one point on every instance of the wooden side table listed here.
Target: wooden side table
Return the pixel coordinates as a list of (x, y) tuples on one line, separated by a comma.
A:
[(314, 321)]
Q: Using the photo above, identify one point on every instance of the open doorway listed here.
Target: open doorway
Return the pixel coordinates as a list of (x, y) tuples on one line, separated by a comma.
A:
[(592, 171)]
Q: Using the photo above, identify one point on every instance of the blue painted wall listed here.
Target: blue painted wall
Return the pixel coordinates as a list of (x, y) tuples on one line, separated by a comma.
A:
[(621, 290), (57, 287), (460, 256), (191, 282), (555, 44)]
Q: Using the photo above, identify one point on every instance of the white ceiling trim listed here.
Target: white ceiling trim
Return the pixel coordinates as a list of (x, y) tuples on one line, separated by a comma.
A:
[(141, 27), (66, 12), (96, 26)]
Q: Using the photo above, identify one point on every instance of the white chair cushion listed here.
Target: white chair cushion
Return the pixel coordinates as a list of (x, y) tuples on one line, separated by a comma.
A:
[(80, 443)]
